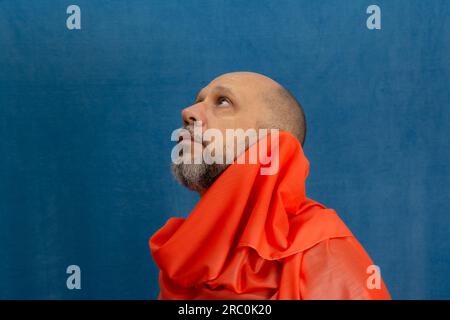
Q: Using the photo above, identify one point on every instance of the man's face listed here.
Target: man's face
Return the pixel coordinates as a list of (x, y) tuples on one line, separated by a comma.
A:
[(231, 101), (228, 102)]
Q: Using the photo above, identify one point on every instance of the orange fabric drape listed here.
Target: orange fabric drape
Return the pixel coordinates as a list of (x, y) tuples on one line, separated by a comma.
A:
[(254, 236)]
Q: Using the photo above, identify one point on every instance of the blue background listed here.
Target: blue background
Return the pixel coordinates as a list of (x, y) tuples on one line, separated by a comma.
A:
[(86, 117)]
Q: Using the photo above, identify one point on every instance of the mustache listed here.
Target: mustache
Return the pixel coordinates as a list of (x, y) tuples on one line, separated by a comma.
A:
[(194, 136)]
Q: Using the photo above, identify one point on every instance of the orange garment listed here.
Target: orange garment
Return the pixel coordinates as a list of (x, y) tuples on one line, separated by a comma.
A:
[(254, 236)]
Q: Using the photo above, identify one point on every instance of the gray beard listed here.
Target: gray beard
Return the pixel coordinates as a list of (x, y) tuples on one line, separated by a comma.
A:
[(197, 177)]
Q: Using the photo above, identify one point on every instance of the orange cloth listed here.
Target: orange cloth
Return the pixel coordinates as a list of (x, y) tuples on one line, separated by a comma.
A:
[(254, 236)]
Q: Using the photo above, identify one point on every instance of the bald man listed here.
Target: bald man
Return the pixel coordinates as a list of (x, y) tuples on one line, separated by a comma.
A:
[(254, 235)]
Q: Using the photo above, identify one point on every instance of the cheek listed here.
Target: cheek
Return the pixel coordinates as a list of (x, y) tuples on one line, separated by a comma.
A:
[(223, 119), (243, 123), (221, 123)]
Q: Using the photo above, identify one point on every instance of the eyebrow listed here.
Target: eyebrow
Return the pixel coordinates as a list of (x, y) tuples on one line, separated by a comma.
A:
[(224, 89)]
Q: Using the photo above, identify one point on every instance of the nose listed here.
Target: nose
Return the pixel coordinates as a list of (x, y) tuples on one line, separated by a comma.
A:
[(192, 114)]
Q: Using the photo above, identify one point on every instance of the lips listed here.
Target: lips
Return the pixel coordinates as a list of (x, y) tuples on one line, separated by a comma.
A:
[(190, 139), (186, 140)]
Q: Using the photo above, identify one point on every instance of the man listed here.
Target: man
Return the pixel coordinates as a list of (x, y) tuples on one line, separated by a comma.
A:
[(256, 236)]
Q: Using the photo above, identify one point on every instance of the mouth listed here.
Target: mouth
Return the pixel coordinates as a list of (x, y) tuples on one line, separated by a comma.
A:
[(186, 140), (189, 139), (190, 142)]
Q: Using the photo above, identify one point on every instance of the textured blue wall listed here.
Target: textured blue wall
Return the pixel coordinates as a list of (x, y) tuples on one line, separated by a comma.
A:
[(86, 117)]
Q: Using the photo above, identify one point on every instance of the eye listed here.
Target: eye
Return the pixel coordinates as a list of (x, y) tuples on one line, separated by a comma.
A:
[(223, 102)]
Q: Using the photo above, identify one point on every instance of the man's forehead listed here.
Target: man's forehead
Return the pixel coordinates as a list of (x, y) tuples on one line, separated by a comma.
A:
[(209, 88), (231, 83), (235, 79), (226, 87), (238, 84)]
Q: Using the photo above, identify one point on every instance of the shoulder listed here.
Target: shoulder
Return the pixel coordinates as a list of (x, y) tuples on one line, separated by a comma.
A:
[(337, 268)]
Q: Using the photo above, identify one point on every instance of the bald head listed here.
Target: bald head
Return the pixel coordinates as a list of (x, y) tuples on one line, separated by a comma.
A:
[(275, 106), (237, 100), (285, 113)]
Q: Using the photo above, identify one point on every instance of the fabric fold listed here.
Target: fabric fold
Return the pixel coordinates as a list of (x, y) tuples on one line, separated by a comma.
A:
[(237, 239)]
